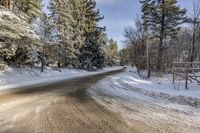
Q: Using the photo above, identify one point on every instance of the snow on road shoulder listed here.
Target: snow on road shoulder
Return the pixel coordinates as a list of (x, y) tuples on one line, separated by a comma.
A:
[(133, 104), (19, 77), (163, 84), (163, 88), (160, 88)]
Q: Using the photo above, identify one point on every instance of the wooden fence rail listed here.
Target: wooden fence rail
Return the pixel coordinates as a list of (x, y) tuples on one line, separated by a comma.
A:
[(186, 70)]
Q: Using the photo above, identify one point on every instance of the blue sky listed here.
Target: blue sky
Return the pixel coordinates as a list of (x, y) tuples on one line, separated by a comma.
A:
[(119, 14)]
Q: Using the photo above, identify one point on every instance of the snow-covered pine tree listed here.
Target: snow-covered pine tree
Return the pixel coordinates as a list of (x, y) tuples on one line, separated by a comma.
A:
[(63, 30), (71, 34), (91, 51), (32, 8), (45, 34), (17, 37), (112, 53), (54, 8), (103, 40), (78, 30), (5, 3), (99, 54), (26, 11)]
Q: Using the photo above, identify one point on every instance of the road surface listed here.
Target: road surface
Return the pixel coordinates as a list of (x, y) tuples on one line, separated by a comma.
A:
[(163, 115), (62, 107)]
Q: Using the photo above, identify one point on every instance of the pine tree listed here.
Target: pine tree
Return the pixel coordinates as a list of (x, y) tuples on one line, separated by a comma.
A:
[(32, 8), (103, 40), (163, 18), (76, 33), (17, 37), (64, 33), (91, 51), (78, 29), (74, 40), (112, 53), (44, 31), (5, 3), (99, 59)]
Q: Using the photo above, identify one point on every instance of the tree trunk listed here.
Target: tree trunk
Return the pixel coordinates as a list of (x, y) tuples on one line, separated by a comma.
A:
[(65, 62), (42, 60), (148, 69), (59, 56), (42, 65), (160, 48), (193, 47), (160, 51)]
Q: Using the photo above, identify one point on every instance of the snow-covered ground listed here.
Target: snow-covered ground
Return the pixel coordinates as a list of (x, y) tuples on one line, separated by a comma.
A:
[(18, 77), (154, 102), (163, 84), (161, 88)]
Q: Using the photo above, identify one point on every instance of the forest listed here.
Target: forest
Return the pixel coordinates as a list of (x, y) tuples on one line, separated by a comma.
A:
[(164, 33), (99, 66), (69, 36)]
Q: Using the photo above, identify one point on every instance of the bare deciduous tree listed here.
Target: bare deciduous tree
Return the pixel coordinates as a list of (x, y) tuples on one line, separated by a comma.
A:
[(194, 21)]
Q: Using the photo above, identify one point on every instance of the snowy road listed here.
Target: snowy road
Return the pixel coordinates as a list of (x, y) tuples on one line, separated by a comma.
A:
[(67, 107), (59, 108), (160, 114)]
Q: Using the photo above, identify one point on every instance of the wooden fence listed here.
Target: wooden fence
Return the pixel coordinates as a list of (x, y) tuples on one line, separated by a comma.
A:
[(190, 71)]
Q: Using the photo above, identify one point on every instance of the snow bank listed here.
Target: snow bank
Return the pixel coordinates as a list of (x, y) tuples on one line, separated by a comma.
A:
[(157, 88), (18, 77), (162, 88), (132, 103)]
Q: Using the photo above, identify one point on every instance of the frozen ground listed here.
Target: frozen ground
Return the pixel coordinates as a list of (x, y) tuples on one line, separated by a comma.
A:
[(18, 77), (154, 102), (161, 88), (163, 84)]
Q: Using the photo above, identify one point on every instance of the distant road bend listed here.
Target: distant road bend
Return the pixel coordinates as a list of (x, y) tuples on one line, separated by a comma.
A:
[(61, 107)]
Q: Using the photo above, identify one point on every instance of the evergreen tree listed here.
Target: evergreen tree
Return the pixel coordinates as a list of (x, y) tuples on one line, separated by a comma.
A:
[(163, 18), (17, 38), (99, 58), (103, 40), (32, 8), (112, 53), (64, 33), (91, 51), (44, 31), (5, 3), (78, 29), (76, 33)]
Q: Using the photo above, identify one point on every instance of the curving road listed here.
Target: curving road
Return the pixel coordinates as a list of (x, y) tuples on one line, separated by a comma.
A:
[(62, 107)]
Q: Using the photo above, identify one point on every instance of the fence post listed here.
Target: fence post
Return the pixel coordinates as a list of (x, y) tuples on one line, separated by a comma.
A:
[(173, 72), (186, 80), (173, 75)]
